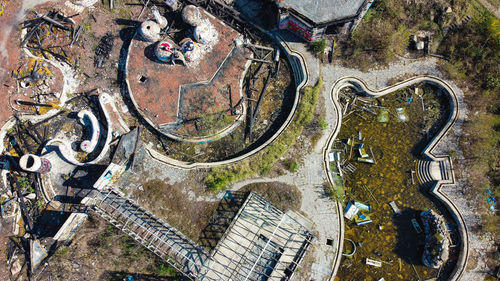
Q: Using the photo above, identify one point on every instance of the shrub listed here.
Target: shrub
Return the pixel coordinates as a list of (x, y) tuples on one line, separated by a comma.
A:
[(323, 124), (318, 46), (292, 166)]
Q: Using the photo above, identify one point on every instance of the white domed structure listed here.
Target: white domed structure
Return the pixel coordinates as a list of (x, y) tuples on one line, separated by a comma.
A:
[(164, 50), (191, 15), (205, 34), (190, 49), (150, 30)]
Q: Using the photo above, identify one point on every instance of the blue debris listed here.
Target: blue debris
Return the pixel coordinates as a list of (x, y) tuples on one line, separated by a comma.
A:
[(492, 200)]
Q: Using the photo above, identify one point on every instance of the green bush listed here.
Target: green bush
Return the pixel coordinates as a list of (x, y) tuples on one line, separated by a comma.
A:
[(219, 177), (292, 166), (318, 46), (323, 124)]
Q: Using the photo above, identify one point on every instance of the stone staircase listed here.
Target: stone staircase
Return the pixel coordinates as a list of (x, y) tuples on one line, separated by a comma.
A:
[(424, 173), (431, 171)]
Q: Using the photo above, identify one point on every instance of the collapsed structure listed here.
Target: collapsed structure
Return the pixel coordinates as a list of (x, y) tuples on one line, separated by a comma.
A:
[(261, 243)]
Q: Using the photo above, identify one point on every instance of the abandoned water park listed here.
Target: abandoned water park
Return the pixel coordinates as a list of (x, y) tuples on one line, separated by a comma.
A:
[(239, 140)]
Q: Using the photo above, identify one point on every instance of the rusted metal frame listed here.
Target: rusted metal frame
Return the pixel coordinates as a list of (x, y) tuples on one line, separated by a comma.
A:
[(261, 97)]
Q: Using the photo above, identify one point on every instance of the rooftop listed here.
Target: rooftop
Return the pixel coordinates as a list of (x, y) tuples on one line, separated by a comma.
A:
[(320, 11)]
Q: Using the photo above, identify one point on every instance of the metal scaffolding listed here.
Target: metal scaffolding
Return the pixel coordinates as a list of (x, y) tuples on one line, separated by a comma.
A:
[(261, 243)]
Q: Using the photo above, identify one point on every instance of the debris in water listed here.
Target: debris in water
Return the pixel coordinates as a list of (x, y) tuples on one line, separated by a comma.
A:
[(361, 219), (437, 239), (350, 211), (401, 114), (395, 208), (353, 248), (366, 160), (363, 207), (416, 225), (383, 117), (373, 262)]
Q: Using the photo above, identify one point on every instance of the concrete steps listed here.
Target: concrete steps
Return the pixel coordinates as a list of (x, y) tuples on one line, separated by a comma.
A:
[(424, 173), (445, 170)]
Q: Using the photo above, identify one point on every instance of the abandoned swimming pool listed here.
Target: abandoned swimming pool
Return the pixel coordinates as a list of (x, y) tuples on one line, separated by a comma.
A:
[(378, 145)]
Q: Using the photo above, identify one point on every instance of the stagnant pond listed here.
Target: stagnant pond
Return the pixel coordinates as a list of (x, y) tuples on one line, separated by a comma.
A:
[(393, 130)]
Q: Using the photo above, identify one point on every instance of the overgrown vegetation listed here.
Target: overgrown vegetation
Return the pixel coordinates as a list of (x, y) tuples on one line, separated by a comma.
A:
[(169, 202), (385, 30), (474, 52), (219, 177), (283, 196), (318, 46), (291, 165)]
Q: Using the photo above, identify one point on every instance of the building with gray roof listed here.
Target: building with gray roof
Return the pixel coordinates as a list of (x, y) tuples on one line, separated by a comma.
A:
[(311, 19)]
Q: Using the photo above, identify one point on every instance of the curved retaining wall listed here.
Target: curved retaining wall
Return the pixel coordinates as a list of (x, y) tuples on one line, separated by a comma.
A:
[(361, 86), (64, 146), (300, 78)]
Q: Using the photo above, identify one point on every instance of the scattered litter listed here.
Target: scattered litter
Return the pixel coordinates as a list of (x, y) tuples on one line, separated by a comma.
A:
[(365, 160), (383, 117), (395, 208), (350, 211), (362, 151), (353, 248), (362, 219), (417, 227), (401, 114), (373, 262), (331, 156), (362, 206), (492, 201), (410, 99), (37, 252)]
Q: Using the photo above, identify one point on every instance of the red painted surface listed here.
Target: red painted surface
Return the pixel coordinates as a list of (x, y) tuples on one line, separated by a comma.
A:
[(158, 97)]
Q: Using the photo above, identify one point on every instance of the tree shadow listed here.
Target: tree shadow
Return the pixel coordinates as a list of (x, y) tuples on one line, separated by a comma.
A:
[(221, 219), (409, 244)]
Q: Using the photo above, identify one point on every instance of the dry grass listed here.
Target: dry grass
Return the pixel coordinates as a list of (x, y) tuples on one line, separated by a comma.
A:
[(173, 205), (285, 197)]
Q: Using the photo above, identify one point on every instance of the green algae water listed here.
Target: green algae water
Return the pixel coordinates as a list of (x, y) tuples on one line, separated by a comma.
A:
[(392, 131)]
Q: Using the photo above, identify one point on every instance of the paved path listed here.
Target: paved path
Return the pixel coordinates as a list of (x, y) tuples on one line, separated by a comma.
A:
[(495, 9)]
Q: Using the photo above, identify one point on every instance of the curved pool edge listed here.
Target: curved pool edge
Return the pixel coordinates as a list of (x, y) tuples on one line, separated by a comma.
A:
[(360, 85)]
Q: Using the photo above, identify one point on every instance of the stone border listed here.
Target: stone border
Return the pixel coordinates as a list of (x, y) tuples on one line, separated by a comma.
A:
[(361, 86)]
